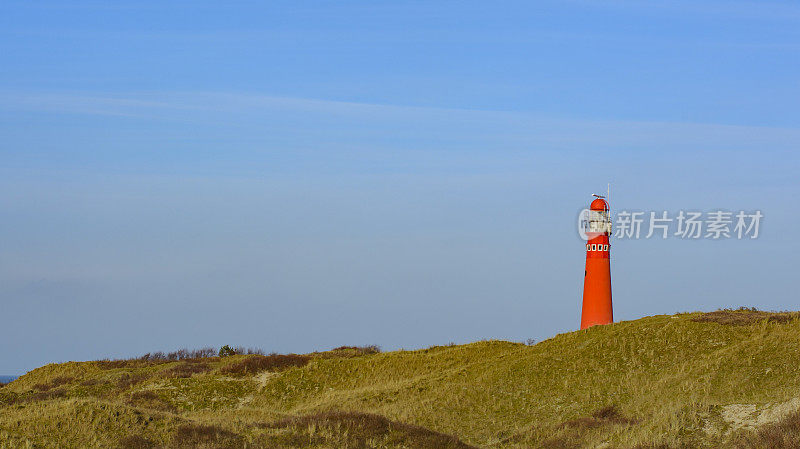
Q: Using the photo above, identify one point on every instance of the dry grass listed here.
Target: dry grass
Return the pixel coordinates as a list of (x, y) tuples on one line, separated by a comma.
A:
[(127, 363), (363, 430), (559, 443), (254, 364), (745, 316), (670, 378)]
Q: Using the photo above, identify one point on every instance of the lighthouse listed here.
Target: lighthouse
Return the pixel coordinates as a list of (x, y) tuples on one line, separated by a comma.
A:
[(597, 277)]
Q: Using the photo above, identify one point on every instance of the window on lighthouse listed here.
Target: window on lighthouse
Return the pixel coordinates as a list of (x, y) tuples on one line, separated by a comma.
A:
[(594, 247)]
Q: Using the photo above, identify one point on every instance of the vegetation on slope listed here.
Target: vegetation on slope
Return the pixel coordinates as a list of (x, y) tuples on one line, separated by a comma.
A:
[(723, 379)]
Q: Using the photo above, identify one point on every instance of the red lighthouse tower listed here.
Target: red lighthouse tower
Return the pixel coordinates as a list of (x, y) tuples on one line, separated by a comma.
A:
[(597, 278)]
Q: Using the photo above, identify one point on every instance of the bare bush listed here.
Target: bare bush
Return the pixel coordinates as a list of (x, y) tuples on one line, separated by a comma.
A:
[(604, 416), (257, 363), (186, 369), (745, 316), (54, 383), (159, 357), (784, 434), (55, 393), (150, 399), (559, 443), (112, 364), (249, 351), (363, 350), (136, 442), (206, 436), (227, 351), (128, 380), (181, 354)]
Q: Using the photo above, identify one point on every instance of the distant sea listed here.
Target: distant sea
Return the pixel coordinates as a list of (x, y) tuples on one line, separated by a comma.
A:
[(7, 379)]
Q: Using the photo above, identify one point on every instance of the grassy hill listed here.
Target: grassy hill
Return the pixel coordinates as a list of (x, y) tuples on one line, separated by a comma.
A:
[(722, 379)]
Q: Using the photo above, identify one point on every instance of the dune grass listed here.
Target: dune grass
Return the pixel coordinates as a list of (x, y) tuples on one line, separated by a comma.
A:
[(724, 379)]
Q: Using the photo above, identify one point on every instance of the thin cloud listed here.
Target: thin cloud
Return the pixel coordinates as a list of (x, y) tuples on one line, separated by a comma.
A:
[(253, 112), (779, 11)]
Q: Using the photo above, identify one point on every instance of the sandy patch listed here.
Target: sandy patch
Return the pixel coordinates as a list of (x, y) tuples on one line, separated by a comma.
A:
[(751, 416)]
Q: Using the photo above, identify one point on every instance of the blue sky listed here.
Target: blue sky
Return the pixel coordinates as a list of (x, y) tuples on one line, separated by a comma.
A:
[(302, 176)]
